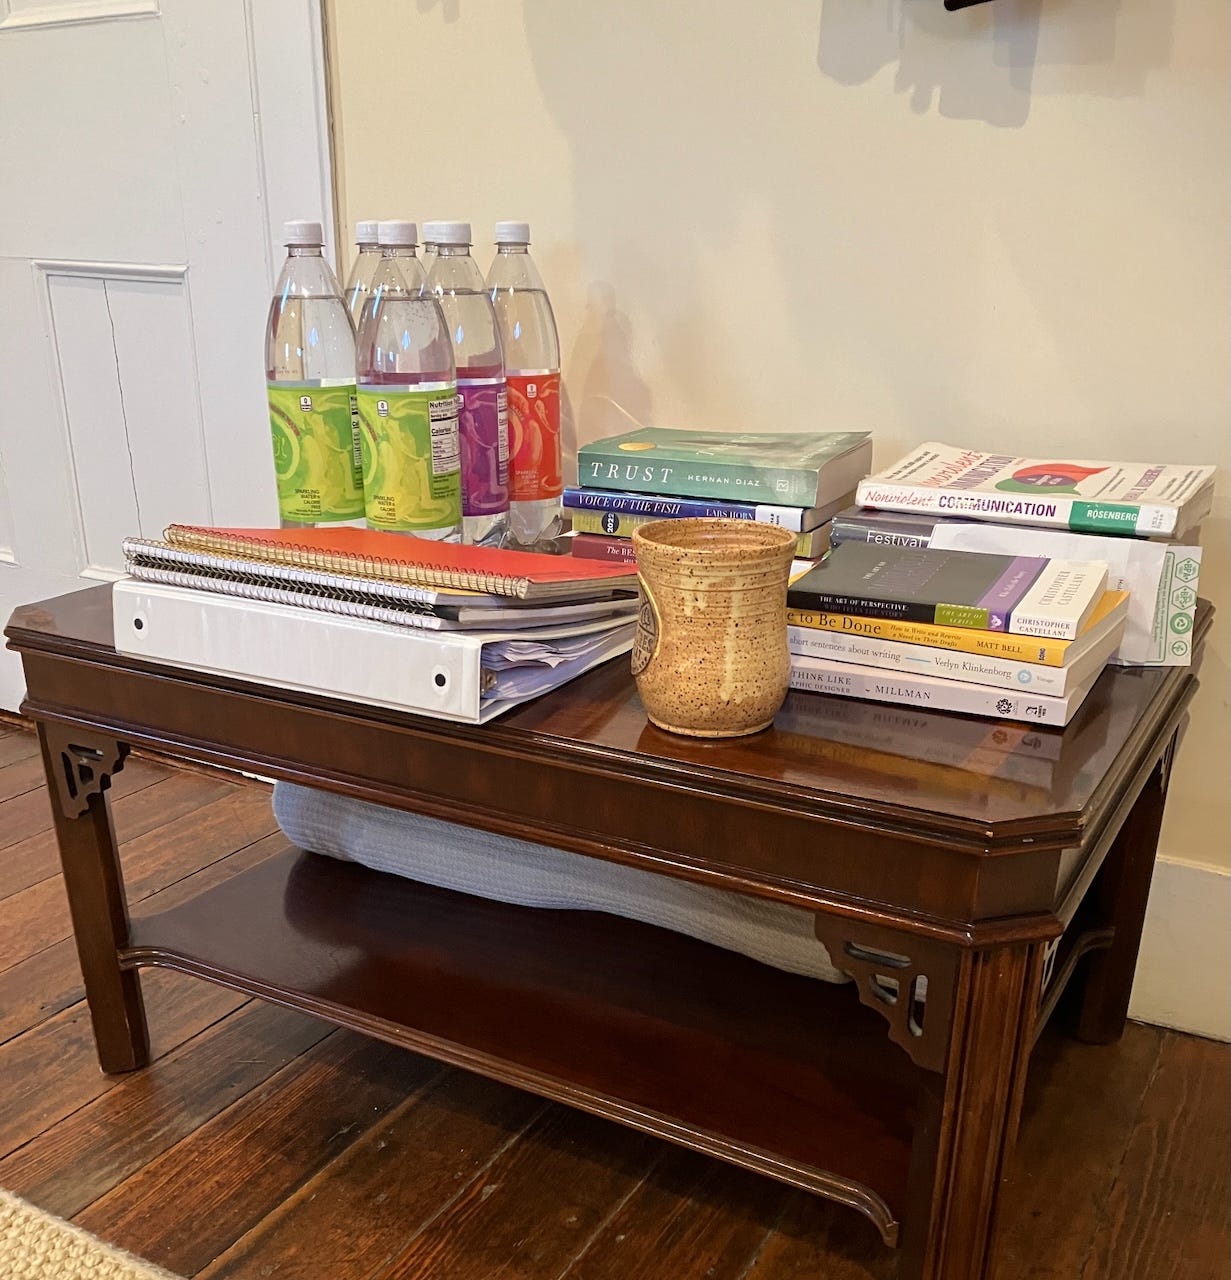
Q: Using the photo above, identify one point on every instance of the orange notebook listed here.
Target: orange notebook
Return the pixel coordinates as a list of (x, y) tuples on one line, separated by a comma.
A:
[(391, 557)]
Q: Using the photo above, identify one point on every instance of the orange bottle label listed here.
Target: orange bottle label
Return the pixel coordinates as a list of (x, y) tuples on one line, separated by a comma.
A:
[(534, 436)]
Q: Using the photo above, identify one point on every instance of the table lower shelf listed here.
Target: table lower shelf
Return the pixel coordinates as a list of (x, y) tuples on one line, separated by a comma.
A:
[(785, 1075)]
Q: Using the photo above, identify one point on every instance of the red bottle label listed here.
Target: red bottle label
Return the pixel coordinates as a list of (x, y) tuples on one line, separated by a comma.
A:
[(534, 436)]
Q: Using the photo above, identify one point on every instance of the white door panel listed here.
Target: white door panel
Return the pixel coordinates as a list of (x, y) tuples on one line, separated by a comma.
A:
[(86, 137), (155, 149)]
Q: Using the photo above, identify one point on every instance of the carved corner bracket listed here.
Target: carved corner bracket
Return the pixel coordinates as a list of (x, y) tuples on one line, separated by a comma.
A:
[(79, 764), (909, 980)]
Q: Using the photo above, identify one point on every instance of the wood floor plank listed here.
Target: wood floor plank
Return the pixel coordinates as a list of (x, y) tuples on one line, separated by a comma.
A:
[(239, 1166), (85, 1155), (690, 1219), (52, 1070), (20, 776), (36, 857), (1077, 1122), (16, 745), (353, 1216), (37, 917), (815, 1239), (26, 815), (1167, 1213), (535, 1208), (50, 980)]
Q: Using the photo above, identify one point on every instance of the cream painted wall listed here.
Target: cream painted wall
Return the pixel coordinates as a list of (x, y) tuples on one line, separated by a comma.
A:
[(1006, 227)]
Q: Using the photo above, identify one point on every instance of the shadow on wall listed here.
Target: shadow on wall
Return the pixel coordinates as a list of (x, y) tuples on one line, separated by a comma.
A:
[(981, 63), (611, 396), (717, 144), (450, 10)]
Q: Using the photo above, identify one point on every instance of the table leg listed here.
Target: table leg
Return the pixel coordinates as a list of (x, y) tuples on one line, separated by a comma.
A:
[(79, 766), (968, 1118), (1123, 892)]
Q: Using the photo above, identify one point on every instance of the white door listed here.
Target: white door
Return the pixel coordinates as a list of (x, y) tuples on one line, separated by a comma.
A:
[(149, 150)]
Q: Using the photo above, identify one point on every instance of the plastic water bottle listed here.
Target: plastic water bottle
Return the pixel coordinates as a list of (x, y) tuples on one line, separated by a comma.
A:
[(359, 282), (407, 399), (429, 245), (532, 373), (457, 284), (310, 373)]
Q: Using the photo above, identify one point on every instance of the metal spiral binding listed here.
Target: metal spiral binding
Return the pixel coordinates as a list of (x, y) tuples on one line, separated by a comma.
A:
[(146, 552), (299, 556), (257, 586)]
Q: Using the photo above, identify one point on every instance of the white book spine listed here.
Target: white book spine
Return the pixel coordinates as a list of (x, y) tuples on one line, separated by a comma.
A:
[(1060, 599), (918, 659), (1150, 519), (849, 681), (785, 517)]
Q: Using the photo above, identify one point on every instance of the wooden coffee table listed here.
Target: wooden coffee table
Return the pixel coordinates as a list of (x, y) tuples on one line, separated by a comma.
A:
[(963, 873)]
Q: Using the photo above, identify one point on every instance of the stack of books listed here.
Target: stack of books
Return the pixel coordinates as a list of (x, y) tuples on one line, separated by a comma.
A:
[(796, 480), (457, 632), (1142, 519), (1012, 637)]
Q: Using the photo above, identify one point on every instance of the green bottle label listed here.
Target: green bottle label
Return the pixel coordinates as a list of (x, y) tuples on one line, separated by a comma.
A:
[(316, 451), (412, 479)]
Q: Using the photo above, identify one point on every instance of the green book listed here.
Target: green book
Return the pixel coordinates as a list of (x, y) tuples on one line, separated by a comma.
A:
[(790, 468)]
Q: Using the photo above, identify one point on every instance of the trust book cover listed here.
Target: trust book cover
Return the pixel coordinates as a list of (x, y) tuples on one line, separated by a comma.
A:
[(787, 468), (1021, 595)]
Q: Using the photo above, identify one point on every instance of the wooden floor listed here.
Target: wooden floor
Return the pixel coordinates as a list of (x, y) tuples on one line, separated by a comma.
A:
[(264, 1144)]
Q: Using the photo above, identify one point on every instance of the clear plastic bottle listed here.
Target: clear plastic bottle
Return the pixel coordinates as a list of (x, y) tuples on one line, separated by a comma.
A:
[(429, 246), (532, 372), (407, 399), (310, 376), (457, 284), (359, 282)]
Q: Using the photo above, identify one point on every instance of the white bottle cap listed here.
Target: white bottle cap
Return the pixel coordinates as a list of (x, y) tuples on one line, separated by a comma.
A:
[(393, 231), (300, 232), (512, 233), (431, 231), (365, 231), (452, 233)]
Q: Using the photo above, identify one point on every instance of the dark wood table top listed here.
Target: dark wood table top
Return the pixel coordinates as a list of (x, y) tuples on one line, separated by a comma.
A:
[(974, 787)]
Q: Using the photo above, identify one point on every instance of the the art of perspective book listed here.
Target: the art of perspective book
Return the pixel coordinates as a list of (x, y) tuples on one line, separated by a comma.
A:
[(1018, 595)]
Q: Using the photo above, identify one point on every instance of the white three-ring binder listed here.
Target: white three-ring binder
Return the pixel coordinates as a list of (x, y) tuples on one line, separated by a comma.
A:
[(455, 675)]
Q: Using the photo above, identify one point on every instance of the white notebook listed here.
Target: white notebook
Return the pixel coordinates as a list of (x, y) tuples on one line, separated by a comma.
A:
[(468, 676)]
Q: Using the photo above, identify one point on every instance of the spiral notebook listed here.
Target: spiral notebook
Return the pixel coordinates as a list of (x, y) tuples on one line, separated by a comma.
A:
[(427, 608), (371, 556)]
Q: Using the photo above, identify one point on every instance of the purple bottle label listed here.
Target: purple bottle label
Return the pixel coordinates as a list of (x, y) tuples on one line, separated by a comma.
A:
[(483, 429)]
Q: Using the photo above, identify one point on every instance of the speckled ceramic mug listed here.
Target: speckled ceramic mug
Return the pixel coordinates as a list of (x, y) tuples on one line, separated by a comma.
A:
[(710, 654)]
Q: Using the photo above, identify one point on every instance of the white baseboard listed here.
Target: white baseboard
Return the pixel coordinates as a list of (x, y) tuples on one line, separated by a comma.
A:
[(1184, 971)]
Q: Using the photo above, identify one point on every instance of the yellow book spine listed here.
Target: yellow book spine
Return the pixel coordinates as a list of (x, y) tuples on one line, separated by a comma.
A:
[(619, 524), (992, 644), (614, 524)]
